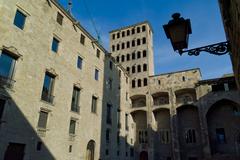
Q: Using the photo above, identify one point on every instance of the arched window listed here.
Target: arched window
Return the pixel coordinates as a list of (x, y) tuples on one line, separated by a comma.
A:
[(133, 31), (144, 67), (133, 69), (139, 68), (123, 45), (138, 42), (123, 33), (133, 43), (144, 53), (145, 81), (183, 79), (133, 55), (144, 40), (128, 69), (113, 48), (118, 46), (90, 150), (133, 84), (138, 30), (143, 28), (117, 58), (139, 82), (118, 35), (128, 57), (113, 36), (123, 58), (128, 44), (128, 32), (138, 54)]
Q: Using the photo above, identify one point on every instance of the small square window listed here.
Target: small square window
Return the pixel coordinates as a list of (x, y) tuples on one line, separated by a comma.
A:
[(79, 62), (82, 39), (96, 74), (19, 19), (55, 44), (59, 18)]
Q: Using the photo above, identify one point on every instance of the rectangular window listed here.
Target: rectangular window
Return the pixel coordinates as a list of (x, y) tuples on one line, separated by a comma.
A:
[(110, 65), (220, 135), (19, 19), (94, 104), (118, 118), (126, 122), (190, 136), (107, 136), (39, 146), (55, 44), (48, 88), (118, 138), (96, 74), (132, 152), (79, 62), (42, 121), (2, 104), (98, 53), (72, 126), (59, 18), (82, 39), (109, 114), (110, 83), (7, 65), (164, 136), (75, 99)]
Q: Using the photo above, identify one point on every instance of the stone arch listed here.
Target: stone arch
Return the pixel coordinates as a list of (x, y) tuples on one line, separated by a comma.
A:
[(185, 96), (160, 98), (90, 150), (138, 101), (223, 121)]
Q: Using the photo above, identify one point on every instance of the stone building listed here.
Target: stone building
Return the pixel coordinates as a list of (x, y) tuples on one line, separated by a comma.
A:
[(63, 96), (230, 10)]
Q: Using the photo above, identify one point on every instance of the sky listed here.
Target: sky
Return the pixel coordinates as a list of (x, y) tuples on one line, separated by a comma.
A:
[(207, 28)]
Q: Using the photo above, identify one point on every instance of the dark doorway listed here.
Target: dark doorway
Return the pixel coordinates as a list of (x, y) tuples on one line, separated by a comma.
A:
[(15, 151), (143, 155)]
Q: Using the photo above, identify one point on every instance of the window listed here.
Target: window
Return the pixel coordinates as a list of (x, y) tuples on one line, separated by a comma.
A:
[(133, 84), (96, 74), (98, 53), (110, 64), (118, 138), (113, 36), (126, 96), (143, 28), (126, 122), (106, 152), (118, 118), (123, 34), (118, 47), (183, 79), (19, 19), (138, 30), (133, 43), (109, 83), (7, 65), (75, 99), (138, 42), (55, 45), (108, 136), (109, 112), (145, 82), (144, 53), (47, 90), (142, 136), (2, 104), (133, 31), (118, 35), (123, 58), (128, 32), (139, 68), (133, 69), (39, 146), (132, 152), (144, 67), (42, 121), (128, 69), (133, 55), (72, 126), (79, 62), (128, 44), (138, 54), (15, 151), (190, 136), (164, 136), (113, 48), (128, 57), (59, 18), (118, 58), (94, 104), (123, 45), (220, 136), (82, 39), (70, 149), (139, 82), (144, 40)]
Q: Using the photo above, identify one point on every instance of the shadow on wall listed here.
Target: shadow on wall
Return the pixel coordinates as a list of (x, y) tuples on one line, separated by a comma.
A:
[(18, 139)]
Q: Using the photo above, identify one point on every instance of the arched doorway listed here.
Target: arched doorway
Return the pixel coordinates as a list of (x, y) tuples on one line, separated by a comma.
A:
[(143, 155), (90, 150)]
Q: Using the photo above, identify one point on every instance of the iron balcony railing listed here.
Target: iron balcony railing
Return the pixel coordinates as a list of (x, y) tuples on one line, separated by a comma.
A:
[(6, 82), (47, 97)]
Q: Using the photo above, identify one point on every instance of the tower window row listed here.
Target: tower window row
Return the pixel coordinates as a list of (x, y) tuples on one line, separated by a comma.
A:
[(132, 56), (129, 32), (139, 83), (137, 68), (129, 44)]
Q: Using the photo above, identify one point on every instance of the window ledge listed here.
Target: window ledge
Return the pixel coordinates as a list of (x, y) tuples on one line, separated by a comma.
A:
[(51, 104)]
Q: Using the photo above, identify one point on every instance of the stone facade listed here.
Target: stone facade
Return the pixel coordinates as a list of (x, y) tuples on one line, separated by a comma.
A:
[(230, 10), (63, 96)]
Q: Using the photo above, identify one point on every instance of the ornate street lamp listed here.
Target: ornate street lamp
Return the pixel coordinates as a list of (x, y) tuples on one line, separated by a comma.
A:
[(178, 30)]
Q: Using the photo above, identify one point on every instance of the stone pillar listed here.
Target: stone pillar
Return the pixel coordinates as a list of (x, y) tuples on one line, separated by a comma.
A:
[(150, 127), (174, 126)]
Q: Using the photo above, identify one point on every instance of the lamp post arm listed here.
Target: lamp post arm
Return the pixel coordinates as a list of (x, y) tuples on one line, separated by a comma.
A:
[(216, 49)]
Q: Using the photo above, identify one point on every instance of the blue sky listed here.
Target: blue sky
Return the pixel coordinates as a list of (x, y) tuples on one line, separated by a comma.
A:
[(205, 19)]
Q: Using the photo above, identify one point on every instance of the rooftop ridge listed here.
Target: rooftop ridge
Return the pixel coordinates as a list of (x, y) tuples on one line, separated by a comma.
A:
[(192, 69)]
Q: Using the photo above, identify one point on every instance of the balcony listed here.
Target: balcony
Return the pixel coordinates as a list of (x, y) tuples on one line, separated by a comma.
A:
[(47, 97), (6, 82)]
